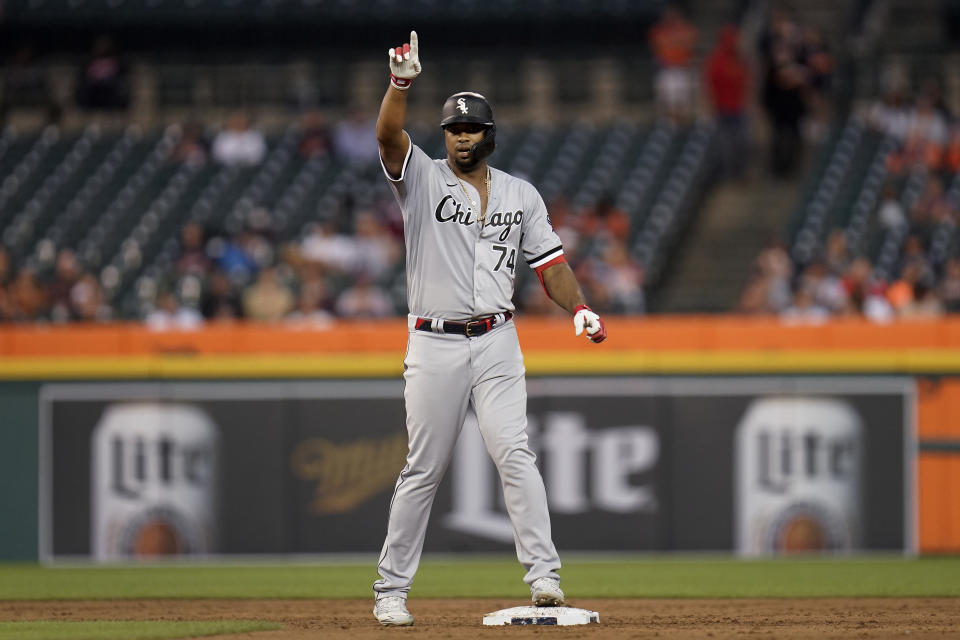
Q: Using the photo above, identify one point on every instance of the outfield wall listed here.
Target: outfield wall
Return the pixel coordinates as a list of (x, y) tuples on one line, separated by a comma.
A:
[(661, 396)]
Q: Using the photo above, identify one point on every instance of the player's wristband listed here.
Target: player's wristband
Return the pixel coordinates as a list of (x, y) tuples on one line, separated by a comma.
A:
[(581, 306), (400, 83)]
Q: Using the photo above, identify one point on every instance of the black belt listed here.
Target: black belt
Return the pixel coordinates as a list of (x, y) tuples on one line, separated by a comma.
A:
[(470, 328)]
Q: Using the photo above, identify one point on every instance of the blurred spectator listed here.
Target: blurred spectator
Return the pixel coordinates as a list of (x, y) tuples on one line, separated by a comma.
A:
[(825, 288), (836, 255), (376, 252), (933, 90), (914, 251), (6, 265), (923, 304), (269, 298), (364, 300), (88, 301), (858, 279), (673, 40), (103, 80), (901, 292), (355, 138), (865, 295), (950, 286), (890, 212), (770, 290), (6, 305), (728, 80), (891, 113), (313, 304), (950, 10), (240, 255), (605, 221), (25, 85), (315, 137), (219, 300), (622, 278), (193, 254), (66, 273), (171, 315), (804, 309), (951, 153), (589, 274), (326, 246), (785, 83), (27, 297), (753, 299), (927, 123), (876, 308), (238, 145), (931, 208), (820, 63), (192, 147)]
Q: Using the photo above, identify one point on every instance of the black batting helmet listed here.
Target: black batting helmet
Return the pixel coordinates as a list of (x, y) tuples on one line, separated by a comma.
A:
[(473, 108)]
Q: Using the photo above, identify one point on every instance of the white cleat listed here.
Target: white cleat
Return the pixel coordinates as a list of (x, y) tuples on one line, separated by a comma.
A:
[(391, 611), (546, 592)]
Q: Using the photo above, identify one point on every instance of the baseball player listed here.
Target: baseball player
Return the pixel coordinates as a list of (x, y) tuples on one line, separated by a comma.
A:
[(467, 227)]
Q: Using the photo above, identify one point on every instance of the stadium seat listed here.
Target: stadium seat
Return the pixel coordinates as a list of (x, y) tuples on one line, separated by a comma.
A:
[(684, 186), (813, 215)]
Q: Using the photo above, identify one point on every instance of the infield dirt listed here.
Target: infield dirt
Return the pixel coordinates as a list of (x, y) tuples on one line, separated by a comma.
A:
[(460, 618)]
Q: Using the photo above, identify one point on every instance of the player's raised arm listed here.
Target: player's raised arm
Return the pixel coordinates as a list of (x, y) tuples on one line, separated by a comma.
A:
[(404, 67)]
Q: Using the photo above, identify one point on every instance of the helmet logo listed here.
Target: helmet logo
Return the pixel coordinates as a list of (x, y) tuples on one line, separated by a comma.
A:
[(462, 105)]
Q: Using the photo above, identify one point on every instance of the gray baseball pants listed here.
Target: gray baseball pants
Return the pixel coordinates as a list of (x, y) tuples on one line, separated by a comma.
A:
[(443, 374)]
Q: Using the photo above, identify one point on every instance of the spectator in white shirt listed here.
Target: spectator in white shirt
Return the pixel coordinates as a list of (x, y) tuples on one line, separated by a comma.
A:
[(238, 145), (355, 139)]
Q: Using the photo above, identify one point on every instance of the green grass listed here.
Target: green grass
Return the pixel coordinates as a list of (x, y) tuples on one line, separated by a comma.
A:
[(124, 630), (587, 577)]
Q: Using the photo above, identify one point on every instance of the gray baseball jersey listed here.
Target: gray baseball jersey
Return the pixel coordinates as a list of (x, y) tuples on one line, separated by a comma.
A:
[(455, 270)]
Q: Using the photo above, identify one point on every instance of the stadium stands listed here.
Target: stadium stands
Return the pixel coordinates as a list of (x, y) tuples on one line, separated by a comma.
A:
[(120, 199), (118, 195)]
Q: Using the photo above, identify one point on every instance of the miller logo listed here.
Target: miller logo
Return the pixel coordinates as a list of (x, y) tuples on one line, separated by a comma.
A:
[(348, 473), (462, 105)]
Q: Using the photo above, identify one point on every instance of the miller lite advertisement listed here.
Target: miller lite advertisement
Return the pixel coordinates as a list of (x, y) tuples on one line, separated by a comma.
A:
[(799, 474), (154, 481), (753, 466)]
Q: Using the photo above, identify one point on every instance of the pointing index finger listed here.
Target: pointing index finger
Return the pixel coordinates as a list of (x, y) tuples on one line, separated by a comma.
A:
[(414, 44)]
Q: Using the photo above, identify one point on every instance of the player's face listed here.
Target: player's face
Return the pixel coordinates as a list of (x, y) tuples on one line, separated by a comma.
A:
[(460, 138)]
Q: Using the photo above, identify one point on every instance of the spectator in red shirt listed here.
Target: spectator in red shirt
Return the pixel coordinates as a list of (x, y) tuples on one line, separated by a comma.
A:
[(728, 81)]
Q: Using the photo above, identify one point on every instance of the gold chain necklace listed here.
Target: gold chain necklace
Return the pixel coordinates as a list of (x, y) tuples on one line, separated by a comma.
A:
[(486, 181)]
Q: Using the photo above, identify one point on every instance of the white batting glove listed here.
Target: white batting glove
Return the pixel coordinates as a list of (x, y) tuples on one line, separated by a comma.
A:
[(585, 318), (404, 63)]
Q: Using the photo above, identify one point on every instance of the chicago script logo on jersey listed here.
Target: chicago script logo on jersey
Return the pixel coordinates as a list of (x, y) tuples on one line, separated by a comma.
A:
[(464, 216)]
